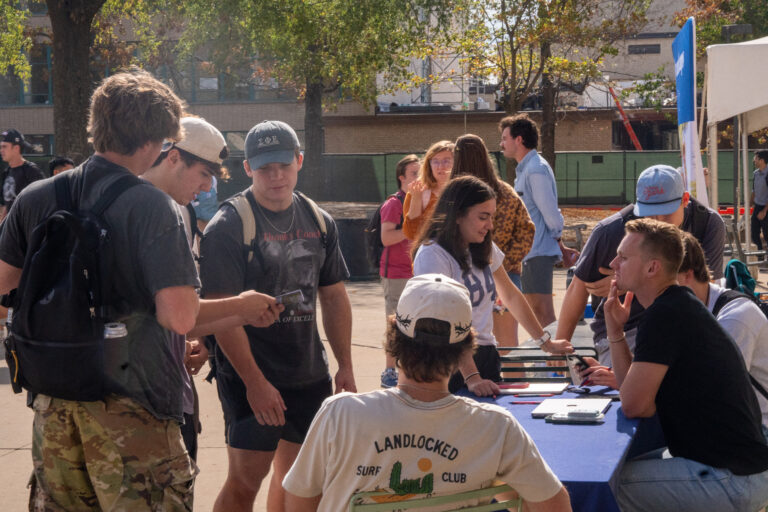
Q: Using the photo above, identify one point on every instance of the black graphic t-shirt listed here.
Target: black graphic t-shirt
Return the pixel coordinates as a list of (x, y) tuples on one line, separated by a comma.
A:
[(15, 179), (290, 256)]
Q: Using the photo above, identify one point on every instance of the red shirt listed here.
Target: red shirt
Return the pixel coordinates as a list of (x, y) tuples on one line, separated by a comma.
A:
[(395, 259)]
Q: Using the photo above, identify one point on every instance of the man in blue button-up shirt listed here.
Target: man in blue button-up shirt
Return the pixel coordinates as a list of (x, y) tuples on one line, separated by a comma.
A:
[(535, 184)]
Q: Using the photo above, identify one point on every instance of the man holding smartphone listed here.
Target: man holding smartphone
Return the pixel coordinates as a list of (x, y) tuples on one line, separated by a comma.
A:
[(272, 380)]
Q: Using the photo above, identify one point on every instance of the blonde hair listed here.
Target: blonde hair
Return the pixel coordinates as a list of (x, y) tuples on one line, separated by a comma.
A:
[(425, 171), (661, 241)]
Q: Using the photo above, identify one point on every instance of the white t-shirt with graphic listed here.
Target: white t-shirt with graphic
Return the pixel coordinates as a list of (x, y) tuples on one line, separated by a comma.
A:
[(386, 440), (433, 259)]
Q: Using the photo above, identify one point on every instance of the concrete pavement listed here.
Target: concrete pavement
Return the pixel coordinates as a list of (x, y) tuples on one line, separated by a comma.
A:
[(367, 353)]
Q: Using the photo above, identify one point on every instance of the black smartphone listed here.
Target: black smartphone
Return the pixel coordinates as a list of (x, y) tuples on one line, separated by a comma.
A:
[(576, 364), (581, 360)]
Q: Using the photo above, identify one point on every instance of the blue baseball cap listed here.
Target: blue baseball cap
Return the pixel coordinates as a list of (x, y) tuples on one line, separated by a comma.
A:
[(270, 141), (659, 191)]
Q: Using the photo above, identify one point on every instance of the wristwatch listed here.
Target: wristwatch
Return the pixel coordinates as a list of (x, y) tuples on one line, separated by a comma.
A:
[(544, 338)]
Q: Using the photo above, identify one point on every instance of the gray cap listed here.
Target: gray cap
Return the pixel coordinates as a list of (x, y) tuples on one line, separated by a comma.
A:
[(270, 141)]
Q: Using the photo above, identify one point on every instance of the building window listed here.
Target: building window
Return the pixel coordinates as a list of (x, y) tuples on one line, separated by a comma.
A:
[(653, 135), (644, 49), (38, 90)]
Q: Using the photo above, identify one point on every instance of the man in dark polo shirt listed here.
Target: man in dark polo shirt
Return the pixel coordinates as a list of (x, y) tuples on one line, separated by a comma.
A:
[(660, 195), (689, 372), (20, 172)]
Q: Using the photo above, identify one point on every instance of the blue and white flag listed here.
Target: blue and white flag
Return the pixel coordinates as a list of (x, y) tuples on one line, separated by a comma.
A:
[(684, 52)]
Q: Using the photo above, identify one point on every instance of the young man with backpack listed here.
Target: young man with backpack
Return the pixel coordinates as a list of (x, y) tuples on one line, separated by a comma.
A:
[(120, 448), (184, 169), (661, 195), (395, 266), (272, 380)]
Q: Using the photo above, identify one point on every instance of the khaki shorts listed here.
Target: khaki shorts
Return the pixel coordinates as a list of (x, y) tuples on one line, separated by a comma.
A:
[(107, 455), (393, 288)]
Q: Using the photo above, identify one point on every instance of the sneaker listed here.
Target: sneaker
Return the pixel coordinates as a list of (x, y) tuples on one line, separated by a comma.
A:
[(389, 378)]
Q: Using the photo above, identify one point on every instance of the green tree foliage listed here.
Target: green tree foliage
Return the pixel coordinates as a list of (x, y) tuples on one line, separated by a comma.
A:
[(14, 43), (504, 38), (329, 50), (712, 15), (529, 46)]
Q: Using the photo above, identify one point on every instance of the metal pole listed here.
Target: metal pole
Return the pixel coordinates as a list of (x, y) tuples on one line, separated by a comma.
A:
[(746, 185), (736, 179), (714, 172)]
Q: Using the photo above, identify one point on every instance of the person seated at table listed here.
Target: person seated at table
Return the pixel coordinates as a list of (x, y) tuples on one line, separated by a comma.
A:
[(741, 318), (661, 195), (418, 439), (457, 242), (688, 371)]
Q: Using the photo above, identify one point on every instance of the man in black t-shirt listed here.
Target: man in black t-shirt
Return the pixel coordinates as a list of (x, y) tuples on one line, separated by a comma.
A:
[(660, 195), (272, 380), (124, 452), (19, 173), (689, 372)]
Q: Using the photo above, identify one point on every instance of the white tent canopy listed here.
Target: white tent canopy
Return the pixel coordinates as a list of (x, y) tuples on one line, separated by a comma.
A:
[(737, 83), (737, 86)]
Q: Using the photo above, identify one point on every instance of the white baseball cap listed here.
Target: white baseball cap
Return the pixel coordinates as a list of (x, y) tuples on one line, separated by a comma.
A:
[(203, 140), (437, 297)]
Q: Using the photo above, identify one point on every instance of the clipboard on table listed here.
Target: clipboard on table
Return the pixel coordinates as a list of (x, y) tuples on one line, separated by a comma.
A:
[(566, 405)]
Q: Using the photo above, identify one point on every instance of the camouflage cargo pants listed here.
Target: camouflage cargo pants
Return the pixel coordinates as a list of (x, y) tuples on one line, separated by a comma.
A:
[(107, 455)]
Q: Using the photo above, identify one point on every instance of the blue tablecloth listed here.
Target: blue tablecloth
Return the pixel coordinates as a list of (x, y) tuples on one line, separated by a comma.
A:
[(586, 458)]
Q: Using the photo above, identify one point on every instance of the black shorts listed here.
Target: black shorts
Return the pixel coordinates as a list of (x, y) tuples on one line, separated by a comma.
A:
[(241, 430), (488, 363)]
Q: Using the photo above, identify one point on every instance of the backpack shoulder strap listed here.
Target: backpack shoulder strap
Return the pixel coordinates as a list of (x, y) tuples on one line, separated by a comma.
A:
[(113, 191), (61, 184), (699, 219), (758, 386), (193, 222), (316, 213), (627, 213), (401, 197), (242, 206), (726, 297)]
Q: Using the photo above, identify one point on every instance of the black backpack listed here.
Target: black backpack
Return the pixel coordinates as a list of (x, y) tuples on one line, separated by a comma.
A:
[(56, 340), (374, 247), (730, 295)]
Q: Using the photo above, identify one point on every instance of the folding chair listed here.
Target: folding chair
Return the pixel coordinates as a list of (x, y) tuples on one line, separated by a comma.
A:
[(388, 504), (517, 363)]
